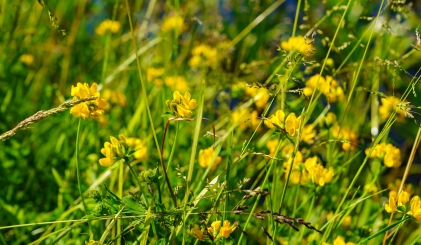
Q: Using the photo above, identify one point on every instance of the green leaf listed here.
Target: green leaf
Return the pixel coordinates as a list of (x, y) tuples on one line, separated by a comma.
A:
[(167, 114), (133, 205), (384, 230), (144, 236)]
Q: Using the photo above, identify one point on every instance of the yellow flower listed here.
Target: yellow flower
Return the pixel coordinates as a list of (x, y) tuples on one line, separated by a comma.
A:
[(340, 241), (292, 124), (388, 153), (226, 229), (92, 241), (261, 96), (416, 208), (388, 105), (272, 145), (329, 119), (240, 117), (346, 134), (255, 119), (298, 44), (27, 59), (276, 120), (391, 207), (181, 106), (403, 198), (173, 23), (178, 83), (317, 173), (203, 55), (154, 75), (141, 152), (93, 108), (114, 96), (216, 225), (328, 86), (206, 157), (308, 134), (117, 149), (108, 25), (198, 233)]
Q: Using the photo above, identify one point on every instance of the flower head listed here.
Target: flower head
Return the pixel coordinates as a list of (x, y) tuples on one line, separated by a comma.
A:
[(298, 44), (181, 105), (173, 23), (390, 154), (317, 173), (388, 105), (276, 120), (292, 124), (108, 25), (93, 108), (198, 233), (141, 151), (114, 150), (206, 158), (226, 229), (203, 54), (416, 208)]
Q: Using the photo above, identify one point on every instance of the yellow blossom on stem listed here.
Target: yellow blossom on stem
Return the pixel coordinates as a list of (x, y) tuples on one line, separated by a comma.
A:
[(298, 44), (113, 151), (178, 83), (203, 54), (141, 152), (341, 241), (292, 124), (261, 95), (390, 154), (403, 198), (198, 233), (272, 145), (27, 59), (226, 229), (317, 173), (391, 206), (240, 117), (173, 23), (181, 105), (93, 108), (108, 25), (416, 208), (308, 134), (388, 105), (206, 157), (276, 120)]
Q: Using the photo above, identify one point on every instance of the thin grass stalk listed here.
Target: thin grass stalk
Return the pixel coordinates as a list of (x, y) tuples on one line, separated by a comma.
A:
[(85, 209), (146, 97), (120, 195)]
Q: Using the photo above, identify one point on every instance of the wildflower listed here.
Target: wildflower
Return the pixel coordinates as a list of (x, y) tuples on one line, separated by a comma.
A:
[(388, 105), (345, 134), (340, 241), (402, 199), (178, 83), (154, 75), (198, 233), (317, 173), (115, 150), (93, 108), (108, 25), (181, 106), (329, 119), (416, 208), (27, 59), (114, 96), (298, 44), (141, 152), (276, 120), (272, 145), (173, 23), (292, 124), (206, 157), (261, 96), (308, 134), (226, 229), (328, 86), (255, 119), (388, 153), (240, 117), (203, 55), (92, 241)]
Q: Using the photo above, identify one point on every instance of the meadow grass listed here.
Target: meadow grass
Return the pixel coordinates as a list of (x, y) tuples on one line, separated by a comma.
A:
[(190, 122)]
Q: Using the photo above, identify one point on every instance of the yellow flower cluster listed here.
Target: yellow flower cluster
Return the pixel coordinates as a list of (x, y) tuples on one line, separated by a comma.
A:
[(224, 231), (93, 108), (206, 157), (181, 106), (173, 23), (317, 173), (328, 86), (339, 241), (141, 151), (178, 83), (307, 171), (388, 153), (261, 96), (241, 117), (346, 134), (203, 55), (396, 201), (108, 25), (298, 44), (198, 233), (113, 151), (115, 97), (291, 125), (154, 75), (388, 106), (27, 59)]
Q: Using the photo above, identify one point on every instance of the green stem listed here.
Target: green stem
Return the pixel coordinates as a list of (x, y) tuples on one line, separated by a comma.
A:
[(120, 195), (78, 172)]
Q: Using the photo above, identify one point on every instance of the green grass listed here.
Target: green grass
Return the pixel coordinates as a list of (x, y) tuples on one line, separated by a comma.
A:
[(234, 158)]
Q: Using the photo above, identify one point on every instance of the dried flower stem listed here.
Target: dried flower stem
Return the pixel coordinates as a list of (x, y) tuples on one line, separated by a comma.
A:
[(41, 115)]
